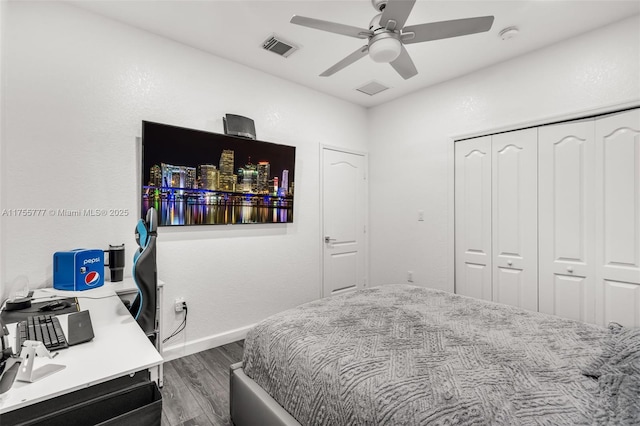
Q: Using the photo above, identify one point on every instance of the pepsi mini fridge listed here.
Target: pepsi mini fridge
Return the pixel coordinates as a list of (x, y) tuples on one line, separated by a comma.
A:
[(79, 269)]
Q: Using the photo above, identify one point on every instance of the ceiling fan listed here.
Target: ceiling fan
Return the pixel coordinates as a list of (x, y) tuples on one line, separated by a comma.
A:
[(387, 34)]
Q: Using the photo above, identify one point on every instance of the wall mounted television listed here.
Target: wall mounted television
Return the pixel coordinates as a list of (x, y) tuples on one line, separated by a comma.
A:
[(194, 177)]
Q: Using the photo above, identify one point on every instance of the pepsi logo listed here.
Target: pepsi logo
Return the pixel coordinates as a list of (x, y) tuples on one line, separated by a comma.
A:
[(92, 278)]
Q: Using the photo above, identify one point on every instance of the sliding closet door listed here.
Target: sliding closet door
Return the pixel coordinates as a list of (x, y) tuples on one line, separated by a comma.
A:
[(618, 218), (473, 217), (566, 220), (515, 218)]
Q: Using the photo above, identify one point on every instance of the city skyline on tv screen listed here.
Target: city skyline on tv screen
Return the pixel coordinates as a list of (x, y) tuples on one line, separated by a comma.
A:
[(194, 177)]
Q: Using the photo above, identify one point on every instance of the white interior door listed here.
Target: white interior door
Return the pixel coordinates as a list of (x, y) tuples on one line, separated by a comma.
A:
[(515, 218), (473, 217), (618, 218), (344, 201), (566, 220)]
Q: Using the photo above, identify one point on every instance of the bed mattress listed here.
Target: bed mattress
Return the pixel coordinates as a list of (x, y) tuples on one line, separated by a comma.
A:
[(406, 355)]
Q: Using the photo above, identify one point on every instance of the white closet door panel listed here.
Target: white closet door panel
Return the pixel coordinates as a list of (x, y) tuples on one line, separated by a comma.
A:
[(514, 218), (566, 220), (618, 218), (508, 286), (474, 280), (569, 297), (620, 303), (473, 217)]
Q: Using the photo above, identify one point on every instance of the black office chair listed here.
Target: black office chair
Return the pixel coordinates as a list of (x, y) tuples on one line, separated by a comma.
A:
[(9, 364), (145, 273)]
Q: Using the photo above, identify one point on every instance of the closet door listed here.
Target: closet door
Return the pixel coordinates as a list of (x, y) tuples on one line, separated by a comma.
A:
[(515, 218), (618, 218), (473, 217), (566, 220)]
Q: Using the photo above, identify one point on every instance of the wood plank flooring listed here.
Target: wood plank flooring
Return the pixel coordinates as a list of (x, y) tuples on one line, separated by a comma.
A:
[(196, 387)]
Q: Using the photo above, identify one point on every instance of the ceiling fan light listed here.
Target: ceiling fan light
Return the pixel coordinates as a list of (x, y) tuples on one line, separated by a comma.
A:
[(385, 49)]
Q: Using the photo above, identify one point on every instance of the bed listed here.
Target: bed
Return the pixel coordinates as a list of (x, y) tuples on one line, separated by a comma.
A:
[(406, 355)]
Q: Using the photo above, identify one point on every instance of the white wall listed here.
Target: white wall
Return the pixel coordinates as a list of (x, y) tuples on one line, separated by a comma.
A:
[(411, 146), (75, 89)]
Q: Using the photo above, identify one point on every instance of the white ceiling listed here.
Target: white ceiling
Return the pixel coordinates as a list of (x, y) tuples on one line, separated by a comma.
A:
[(235, 30)]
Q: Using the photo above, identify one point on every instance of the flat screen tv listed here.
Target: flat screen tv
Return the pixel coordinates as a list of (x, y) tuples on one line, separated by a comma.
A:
[(193, 177)]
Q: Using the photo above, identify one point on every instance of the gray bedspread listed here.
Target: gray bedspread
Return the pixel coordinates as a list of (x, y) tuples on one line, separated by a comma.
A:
[(405, 355)]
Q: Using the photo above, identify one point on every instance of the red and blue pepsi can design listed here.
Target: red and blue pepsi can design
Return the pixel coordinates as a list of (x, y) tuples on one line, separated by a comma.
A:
[(79, 269)]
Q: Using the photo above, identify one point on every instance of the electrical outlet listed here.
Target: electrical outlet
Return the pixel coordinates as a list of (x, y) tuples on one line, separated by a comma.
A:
[(410, 276), (179, 304)]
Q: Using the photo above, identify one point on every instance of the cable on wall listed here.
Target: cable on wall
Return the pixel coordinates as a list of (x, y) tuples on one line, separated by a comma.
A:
[(180, 327)]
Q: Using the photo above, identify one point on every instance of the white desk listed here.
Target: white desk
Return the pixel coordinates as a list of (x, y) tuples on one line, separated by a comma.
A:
[(119, 348)]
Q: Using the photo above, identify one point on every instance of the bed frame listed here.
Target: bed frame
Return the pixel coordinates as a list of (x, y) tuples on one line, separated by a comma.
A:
[(251, 405)]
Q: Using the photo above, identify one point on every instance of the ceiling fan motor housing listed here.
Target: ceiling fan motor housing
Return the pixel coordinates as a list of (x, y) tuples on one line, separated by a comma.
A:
[(374, 24), (384, 45)]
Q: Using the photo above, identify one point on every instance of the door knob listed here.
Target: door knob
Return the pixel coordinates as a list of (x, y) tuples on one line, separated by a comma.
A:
[(327, 239)]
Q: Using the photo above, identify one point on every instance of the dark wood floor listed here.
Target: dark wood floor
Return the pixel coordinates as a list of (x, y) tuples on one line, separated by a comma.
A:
[(196, 387)]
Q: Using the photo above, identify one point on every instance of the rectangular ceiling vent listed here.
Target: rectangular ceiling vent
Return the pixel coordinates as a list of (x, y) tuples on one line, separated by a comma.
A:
[(276, 45), (372, 88)]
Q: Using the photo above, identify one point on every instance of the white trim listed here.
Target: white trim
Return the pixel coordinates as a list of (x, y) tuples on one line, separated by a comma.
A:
[(209, 342), (451, 218), (575, 115), (321, 148)]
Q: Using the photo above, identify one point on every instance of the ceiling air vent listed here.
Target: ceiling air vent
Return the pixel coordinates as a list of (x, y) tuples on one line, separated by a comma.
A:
[(372, 88), (277, 45)]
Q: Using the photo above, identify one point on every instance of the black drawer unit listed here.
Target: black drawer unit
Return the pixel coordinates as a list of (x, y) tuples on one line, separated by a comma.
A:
[(123, 401)]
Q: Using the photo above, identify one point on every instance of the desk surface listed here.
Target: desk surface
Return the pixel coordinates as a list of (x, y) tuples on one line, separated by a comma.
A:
[(119, 347)]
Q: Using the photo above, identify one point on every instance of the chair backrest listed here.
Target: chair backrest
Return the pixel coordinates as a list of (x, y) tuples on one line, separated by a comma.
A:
[(145, 273)]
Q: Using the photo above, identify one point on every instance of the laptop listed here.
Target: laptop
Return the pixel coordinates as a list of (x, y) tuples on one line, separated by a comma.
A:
[(80, 329)]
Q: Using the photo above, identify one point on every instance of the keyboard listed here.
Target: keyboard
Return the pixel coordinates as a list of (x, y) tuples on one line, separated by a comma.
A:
[(44, 328)]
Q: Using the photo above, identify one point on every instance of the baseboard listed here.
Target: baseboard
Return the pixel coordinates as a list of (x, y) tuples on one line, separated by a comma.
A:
[(209, 342)]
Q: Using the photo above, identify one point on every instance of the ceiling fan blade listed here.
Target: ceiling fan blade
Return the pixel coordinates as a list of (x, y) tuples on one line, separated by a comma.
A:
[(446, 29), (331, 27), (404, 65), (396, 11), (358, 54)]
